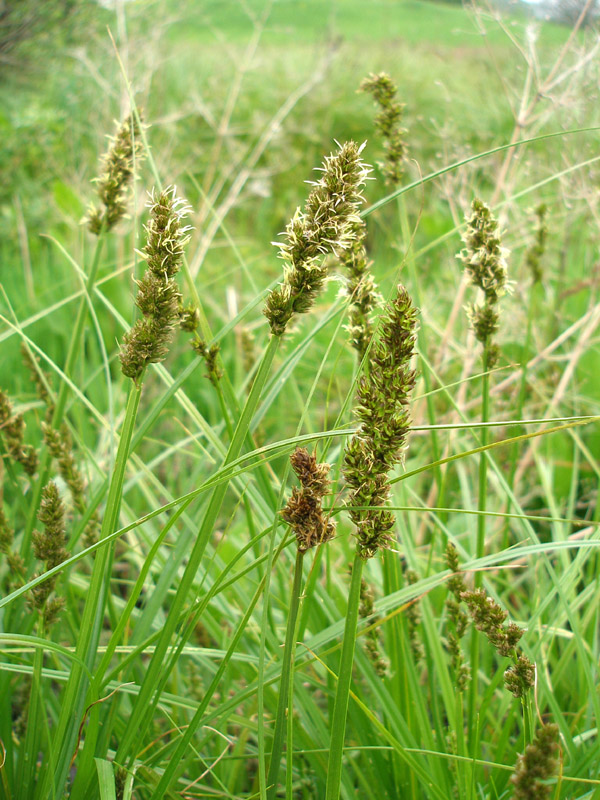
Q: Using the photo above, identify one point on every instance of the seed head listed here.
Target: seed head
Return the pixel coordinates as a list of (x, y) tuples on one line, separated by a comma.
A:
[(457, 618), (125, 147), (382, 409), (520, 678), (158, 296), (483, 257), (304, 510), (49, 546), (535, 253), (326, 225), (389, 124), (373, 643), (537, 765), (12, 428), (361, 289), (210, 355)]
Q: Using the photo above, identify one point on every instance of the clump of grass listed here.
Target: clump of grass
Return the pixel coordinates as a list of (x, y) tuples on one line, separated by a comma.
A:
[(167, 698)]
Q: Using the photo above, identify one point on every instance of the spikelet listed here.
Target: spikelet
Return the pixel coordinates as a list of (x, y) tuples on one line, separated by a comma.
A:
[(304, 511), (382, 408), (484, 261), (158, 295), (125, 148), (326, 225), (389, 124), (537, 765)]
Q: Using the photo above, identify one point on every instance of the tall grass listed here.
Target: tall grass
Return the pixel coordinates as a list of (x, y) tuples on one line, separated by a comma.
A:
[(200, 632)]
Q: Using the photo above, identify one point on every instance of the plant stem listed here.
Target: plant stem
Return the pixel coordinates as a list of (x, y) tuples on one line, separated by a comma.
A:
[(340, 709), (481, 523), (284, 686), (482, 504)]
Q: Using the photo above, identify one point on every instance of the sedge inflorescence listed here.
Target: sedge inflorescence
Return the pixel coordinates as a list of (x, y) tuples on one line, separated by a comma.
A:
[(49, 547), (388, 122), (12, 429), (361, 289), (484, 260), (534, 254), (537, 765), (118, 164), (158, 295), (382, 408), (304, 510), (457, 617), (327, 225), (489, 618)]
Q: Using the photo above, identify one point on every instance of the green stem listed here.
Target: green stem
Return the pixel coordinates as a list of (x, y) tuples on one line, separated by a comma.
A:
[(340, 709), (481, 525), (72, 706), (145, 702), (284, 686), (482, 504)]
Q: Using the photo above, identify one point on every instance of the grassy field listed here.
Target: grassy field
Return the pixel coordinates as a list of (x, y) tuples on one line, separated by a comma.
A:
[(187, 647)]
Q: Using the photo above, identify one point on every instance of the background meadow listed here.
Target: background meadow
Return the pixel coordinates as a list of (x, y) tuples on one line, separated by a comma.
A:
[(242, 100)]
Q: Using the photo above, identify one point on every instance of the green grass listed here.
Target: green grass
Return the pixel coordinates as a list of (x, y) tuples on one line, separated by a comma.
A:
[(171, 644)]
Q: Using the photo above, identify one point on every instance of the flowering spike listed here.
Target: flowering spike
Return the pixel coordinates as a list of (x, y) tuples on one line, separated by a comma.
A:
[(388, 123), (537, 765), (117, 171), (158, 296), (12, 427), (326, 225), (484, 260), (383, 397), (304, 512)]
